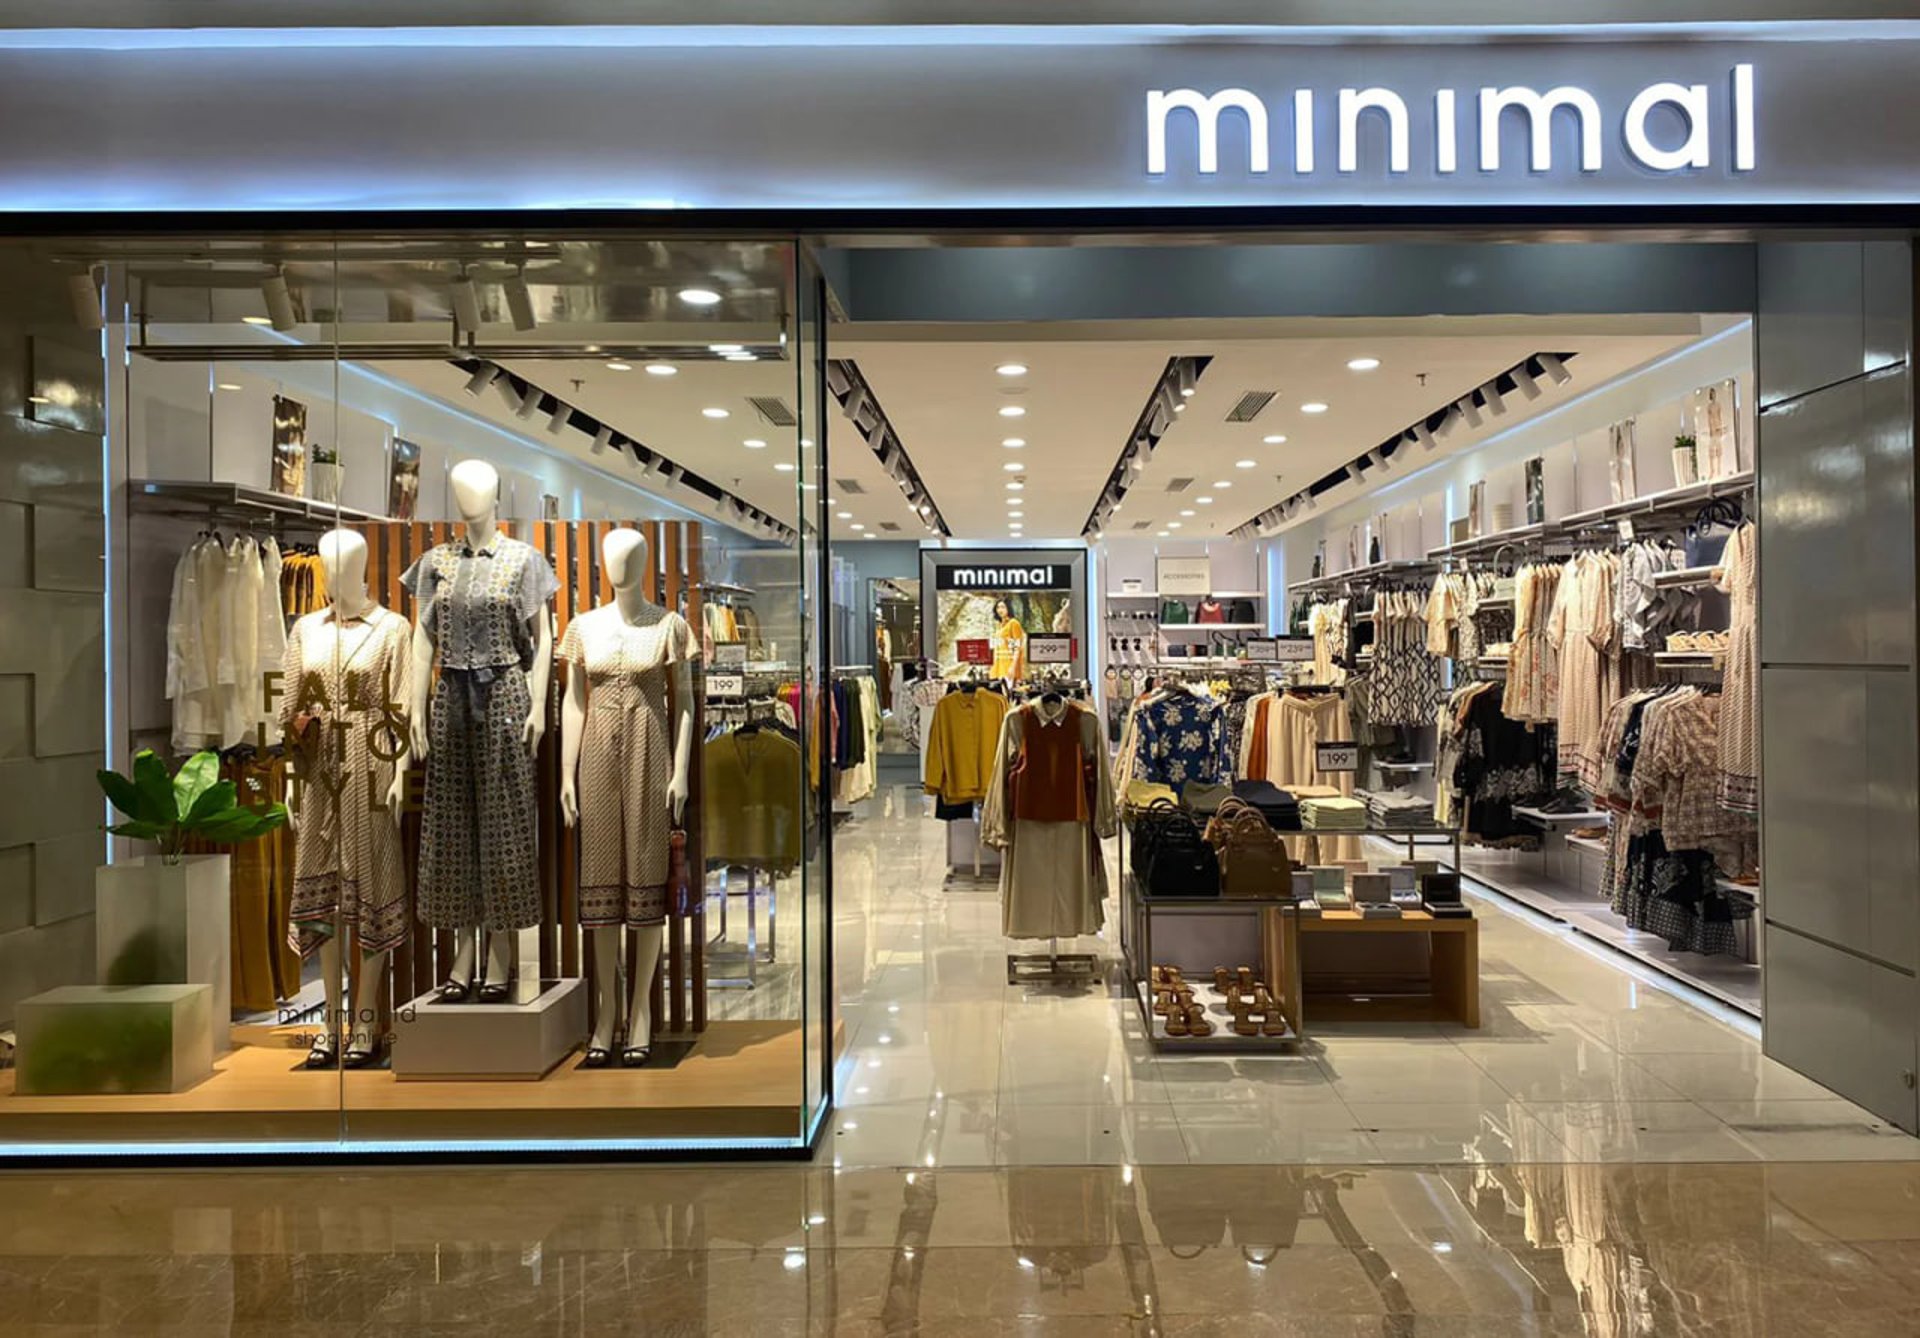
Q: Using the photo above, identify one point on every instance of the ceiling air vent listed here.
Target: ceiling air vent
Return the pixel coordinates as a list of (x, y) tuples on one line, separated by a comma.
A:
[(1250, 406), (1142, 524), (1179, 485), (851, 487), (890, 527), (774, 410)]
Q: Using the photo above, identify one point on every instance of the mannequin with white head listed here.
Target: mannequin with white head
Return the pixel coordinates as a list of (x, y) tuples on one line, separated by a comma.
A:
[(476, 496), (624, 559), (343, 557)]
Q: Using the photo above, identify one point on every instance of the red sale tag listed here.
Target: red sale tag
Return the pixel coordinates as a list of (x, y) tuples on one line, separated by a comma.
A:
[(975, 650)]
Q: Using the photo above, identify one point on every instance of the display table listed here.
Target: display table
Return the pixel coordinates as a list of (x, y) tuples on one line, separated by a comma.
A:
[(1451, 992), (1197, 934)]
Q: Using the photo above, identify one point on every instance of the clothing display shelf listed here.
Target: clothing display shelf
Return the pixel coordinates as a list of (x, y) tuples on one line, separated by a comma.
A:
[(1592, 844), (1545, 819), (729, 588), (1372, 571), (237, 502), (1403, 766), (1204, 628), (1685, 576), (1215, 594), (1519, 537), (1691, 497)]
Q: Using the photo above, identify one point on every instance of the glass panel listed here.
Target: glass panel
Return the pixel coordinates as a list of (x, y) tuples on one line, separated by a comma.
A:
[(564, 471), (835, 706)]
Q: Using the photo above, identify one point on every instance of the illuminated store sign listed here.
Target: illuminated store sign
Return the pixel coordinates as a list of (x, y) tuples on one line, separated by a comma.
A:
[(1046, 576), (1686, 112)]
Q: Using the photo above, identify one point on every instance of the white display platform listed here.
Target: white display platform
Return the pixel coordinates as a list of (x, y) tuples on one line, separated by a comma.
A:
[(523, 1038)]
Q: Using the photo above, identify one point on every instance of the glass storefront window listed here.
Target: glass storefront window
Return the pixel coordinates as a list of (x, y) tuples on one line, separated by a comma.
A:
[(483, 555)]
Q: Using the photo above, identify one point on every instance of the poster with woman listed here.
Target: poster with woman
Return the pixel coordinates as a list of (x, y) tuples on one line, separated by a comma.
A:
[(403, 481), (289, 475)]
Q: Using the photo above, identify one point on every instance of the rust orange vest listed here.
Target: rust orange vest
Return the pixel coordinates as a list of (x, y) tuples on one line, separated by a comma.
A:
[(1048, 780)]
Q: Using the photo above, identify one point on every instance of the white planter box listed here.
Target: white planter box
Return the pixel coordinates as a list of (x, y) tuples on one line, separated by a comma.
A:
[(162, 924)]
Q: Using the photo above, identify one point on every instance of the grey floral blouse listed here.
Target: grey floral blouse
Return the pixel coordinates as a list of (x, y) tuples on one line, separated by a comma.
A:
[(479, 607)]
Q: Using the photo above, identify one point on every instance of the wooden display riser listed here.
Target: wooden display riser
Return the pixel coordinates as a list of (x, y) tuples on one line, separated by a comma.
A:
[(734, 1080), (1450, 994)]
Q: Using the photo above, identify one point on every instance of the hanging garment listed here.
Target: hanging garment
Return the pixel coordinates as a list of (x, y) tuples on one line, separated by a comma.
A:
[(626, 760), (226, 633), (1405, 678), (1049, 807), (1295, 724), (961, 743), (1182, 737), (343, 679), (480, 837), (753, 799), (1739, 727), (266, 965)]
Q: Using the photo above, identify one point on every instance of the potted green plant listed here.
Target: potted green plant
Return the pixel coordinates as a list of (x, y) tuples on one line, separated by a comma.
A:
[(1686, 461), (327, 476), (165, 919)]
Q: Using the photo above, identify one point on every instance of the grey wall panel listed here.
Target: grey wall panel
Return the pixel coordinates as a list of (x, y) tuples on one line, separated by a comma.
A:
[(1887, 284), (1815, 808), (1893, 817), (1842, 1023), (1837, 561), (1810, 298)]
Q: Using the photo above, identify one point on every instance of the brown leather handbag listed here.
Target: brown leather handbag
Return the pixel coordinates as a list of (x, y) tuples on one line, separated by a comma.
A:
[(679, 883), (1253, 858)]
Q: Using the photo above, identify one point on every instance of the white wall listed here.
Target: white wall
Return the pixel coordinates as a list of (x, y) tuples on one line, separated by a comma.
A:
[(1572, 441)]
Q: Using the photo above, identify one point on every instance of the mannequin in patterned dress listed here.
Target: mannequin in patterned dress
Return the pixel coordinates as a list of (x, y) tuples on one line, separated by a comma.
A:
[(624, 559)]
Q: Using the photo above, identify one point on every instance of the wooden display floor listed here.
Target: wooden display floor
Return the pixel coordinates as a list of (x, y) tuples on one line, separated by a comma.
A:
[(736, 1080)]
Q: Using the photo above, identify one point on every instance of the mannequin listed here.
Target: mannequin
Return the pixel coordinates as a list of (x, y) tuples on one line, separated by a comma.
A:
[(622, 659), (482, 617), (344, 665)]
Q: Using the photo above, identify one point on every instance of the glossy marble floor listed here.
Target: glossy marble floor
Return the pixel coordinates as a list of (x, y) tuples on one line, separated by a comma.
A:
[(1669, 1251), (1578, 1060)]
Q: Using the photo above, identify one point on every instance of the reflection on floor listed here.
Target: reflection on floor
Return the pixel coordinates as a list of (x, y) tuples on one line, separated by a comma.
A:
[(1578, 1060), (1466, 1252)]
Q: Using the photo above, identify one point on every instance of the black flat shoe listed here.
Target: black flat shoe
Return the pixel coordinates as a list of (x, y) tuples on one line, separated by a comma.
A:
[(454, 991), (322, 1056), (635, 1056), (598, 1057), (495, 993), (360, 1059)]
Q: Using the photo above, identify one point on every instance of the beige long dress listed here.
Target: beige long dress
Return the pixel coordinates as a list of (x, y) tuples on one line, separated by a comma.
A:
[(1740, 705), (1053, 875), (1294, 726)]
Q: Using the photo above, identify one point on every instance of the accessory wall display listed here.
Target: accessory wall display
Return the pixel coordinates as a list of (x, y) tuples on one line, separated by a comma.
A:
[(1716, 429)]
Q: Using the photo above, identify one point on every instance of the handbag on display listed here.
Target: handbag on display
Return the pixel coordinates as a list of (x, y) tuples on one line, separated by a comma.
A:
[(1241, 611), (1174, 611), (1179, 862), (1253, 859), (1707, 536), (679, 885)]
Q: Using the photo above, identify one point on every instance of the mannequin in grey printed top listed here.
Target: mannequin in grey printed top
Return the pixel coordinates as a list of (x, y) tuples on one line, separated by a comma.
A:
[(482, 616)]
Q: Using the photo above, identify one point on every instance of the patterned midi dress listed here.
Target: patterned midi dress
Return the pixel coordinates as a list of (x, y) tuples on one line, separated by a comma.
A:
[(626, 760), (343, 680), (479, 842)]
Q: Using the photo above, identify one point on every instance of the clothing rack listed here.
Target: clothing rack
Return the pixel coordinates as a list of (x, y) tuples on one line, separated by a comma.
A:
[(236, 502)]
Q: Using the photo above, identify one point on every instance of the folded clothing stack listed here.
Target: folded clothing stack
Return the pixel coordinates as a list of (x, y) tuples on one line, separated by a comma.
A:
[(1338, 814), (1280, 809), (1398, 808)]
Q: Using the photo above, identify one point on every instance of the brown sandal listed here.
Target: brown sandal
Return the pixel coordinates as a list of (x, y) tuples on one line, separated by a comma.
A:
[(1223, 980), (1197, 1024), (1177, 1023), (1247, 981)]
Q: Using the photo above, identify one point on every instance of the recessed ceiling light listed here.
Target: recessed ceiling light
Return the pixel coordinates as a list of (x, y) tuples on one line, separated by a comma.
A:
[(700, 297), (1273, 441), (1012, 369), (856, 526), (784, 466), (1015, 487), (869, 536), (257, 320), (726, 348), (754, 444), (1162, 533), (617, 366), (1204, 501), (1246, 464), (1362, 364), (1221, 483), (1015, 515), (1012, 411), (1014, 443), (1187, 512), (809, 487), (1013, 466), (738, 357), (226, 385), (1173, 524), (713, 413), (844, 515), (662, 369), (1180, 407), (1186, 392), (1313, 406)]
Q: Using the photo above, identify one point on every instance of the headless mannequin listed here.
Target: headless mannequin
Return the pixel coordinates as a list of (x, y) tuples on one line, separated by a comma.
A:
[(343, 556), (624, 558), (476, 494)]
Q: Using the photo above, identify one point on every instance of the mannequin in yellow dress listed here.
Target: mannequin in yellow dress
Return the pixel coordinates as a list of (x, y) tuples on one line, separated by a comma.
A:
[(1009, 643)]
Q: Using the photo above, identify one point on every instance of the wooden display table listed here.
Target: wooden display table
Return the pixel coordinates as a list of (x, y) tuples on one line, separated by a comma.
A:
[(1450, 994)]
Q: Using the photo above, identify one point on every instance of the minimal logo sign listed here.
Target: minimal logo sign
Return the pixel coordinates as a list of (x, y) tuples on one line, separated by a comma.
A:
[(1665, 127), (1043, 577)]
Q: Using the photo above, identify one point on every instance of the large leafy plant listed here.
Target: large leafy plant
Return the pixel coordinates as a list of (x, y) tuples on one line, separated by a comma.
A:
[(193, 803)]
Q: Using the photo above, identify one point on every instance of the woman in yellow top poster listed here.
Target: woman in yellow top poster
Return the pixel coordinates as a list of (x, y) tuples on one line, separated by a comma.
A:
[(1009, 643)]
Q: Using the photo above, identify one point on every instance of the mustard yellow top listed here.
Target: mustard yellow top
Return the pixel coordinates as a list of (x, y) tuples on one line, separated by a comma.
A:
[(960, 745), (1009, 650)]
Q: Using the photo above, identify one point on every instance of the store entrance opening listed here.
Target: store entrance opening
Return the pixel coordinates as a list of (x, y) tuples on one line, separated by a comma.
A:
[(1394, 769)]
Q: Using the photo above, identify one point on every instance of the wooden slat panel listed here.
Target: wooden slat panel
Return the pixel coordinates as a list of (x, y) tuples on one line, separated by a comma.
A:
[(696, 795), (673, 565), (553, 884)]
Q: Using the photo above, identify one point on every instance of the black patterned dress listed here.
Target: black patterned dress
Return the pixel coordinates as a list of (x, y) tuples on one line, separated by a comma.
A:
[(479, 839)]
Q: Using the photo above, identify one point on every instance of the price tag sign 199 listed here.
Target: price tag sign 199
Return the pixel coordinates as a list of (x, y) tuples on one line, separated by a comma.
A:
[(1336, 757), (726, 685)]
